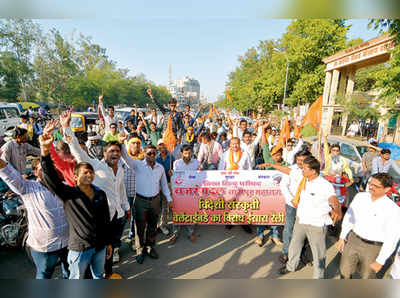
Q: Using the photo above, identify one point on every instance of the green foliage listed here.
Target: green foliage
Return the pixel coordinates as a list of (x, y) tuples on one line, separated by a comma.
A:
[(388, 79), (308, 131), (9, 83), (260, 76), (366, 78), (50, 68)]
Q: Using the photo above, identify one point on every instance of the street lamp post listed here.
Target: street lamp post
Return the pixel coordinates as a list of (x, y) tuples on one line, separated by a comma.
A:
[(287, 71)]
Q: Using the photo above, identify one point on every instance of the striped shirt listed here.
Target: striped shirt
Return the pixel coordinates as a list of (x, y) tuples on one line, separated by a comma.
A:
[(15, 154), (47, 224), (129, 180)]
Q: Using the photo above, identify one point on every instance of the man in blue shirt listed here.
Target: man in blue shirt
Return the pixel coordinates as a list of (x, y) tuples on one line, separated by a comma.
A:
[(166, 160)]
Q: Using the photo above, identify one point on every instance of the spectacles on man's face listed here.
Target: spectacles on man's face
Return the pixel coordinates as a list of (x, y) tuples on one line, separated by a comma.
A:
[(289, 145), (151, 153), (335, 150), (375, 185)]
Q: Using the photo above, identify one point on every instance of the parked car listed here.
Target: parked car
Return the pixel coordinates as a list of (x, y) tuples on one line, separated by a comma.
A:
[(9, 116), (352, 150)]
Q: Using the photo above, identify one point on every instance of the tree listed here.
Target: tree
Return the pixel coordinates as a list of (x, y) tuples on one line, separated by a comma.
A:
[(19, 36), (261, 74), (54, 66), (388, 79), (9, 83)]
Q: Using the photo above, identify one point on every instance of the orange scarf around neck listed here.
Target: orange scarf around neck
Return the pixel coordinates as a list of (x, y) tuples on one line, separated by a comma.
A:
[(234, 165), (300, 188)]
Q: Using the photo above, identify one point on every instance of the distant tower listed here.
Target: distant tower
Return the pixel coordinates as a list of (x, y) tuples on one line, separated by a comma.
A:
[(170, 77)]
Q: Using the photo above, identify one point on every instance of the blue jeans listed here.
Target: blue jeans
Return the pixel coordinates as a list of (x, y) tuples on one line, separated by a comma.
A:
[(274, 231), (288, 230), (79, 260), (45, 262), (132, 222)]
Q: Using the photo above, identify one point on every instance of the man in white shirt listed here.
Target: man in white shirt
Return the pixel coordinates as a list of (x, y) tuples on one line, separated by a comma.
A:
[(150, 179), (186, 163), (289, 186), (289, 152), (353, 129), (109, 177), (370, 230), (108, 117), (247, 144), (318, 207)]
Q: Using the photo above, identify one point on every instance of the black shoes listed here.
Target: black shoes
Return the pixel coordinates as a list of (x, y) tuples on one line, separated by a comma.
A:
[(152, 253), (283, 270), (283, 259), (140, 258), (247, 229)]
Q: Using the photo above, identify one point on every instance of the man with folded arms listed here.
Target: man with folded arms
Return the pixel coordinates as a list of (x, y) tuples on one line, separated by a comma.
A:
[(370, 230)]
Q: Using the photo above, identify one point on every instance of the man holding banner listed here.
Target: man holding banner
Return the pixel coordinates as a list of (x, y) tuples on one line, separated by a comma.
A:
[(186, 163), (235, 159)]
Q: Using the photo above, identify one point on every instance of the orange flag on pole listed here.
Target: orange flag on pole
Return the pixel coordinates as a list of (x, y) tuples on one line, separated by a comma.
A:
[(169, 137), (314, 114), (296, 131), (283, 136), (216, 112), (210, 113)]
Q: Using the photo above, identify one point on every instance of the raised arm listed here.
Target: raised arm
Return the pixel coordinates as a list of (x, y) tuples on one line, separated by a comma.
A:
[(76, 150), (101, 106), (130, 162), (159, 106), (50, 175), (259, 135), (191, 122), (31, 150), (12, 178)]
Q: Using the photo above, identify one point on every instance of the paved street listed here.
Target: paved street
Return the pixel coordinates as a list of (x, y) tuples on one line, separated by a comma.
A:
[(218, 253)]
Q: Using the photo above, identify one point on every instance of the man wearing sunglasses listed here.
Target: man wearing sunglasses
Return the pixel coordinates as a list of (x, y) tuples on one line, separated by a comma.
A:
[(290, 150), (150, 180), (334, 162)]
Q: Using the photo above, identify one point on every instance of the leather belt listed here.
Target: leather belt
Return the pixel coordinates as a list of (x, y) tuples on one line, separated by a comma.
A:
[(368, 241), (146, 198)]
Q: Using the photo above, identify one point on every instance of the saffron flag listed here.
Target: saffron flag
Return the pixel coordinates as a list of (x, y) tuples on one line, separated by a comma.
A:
[(210, 113), (169, 137), (216, 112), (283, 136), (296, 131), (314, 115)]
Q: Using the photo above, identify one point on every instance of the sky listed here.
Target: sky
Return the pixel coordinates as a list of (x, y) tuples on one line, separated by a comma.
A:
[(203, 47)]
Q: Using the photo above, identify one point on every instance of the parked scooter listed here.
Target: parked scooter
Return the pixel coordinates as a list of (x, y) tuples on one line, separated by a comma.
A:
[(13, 222)]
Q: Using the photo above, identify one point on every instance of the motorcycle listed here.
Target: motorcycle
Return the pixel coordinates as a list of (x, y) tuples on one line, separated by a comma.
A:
[(13, 222)]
